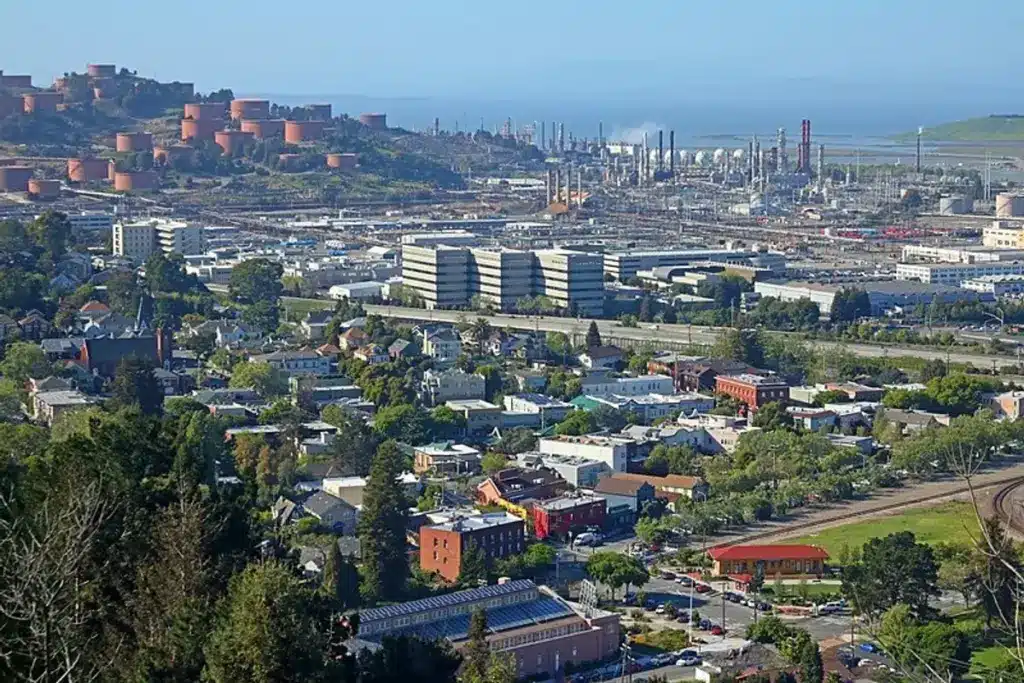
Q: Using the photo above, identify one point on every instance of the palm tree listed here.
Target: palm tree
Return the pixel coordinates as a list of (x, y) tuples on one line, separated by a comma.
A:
[(481, 331)]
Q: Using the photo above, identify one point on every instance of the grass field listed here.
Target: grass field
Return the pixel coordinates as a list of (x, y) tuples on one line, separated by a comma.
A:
[(948, 522)]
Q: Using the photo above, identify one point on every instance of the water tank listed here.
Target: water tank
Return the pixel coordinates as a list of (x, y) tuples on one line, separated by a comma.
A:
[(718, 157), (701, 158), (342, 161), (135, 180), (683, 158), (374, 121), (85, 169), (265, 128), (204, 110), (43, 189), (303, 131), (250, 109), (951, 206), (739, 154), (1009, 205), (134, 142)]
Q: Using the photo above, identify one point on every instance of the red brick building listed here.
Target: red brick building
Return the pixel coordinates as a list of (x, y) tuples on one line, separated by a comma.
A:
[(754, 390), (793, 560), (560, 517), (442, 545), (517, 489)]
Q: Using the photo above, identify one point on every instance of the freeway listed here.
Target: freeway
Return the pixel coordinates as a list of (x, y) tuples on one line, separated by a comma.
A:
[(679, 335)]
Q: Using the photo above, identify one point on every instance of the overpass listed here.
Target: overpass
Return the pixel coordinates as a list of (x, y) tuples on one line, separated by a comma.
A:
[(662, 336)]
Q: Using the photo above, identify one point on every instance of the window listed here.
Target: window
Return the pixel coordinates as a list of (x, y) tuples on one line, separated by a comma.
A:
[(435, 554)]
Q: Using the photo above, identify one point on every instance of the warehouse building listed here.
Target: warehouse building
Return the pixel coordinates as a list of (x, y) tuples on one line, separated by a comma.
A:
[(884, 295), (623, 265)]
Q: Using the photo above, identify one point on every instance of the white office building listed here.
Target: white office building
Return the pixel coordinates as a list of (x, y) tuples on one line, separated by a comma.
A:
[(627, 386), (135, 241), (955, 273), (623, 265), (574, 280), (139, 239), (611, 450), (88, 221), (440, 274), (179, 237)]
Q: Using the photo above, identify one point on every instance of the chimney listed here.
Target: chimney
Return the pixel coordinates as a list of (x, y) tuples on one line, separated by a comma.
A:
[(661, 151), (579, 189), (558, 184), (672, 152), (543, 135)]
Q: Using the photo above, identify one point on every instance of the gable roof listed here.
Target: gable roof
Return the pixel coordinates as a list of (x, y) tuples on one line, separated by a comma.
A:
[(94, 307), (769, 552), (321, 503), (619, 487), (399, 345), (321, 317), (604, 352), (672, 481)]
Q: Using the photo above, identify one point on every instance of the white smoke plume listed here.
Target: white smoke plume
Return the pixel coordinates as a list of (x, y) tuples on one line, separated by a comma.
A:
[(635, 135)]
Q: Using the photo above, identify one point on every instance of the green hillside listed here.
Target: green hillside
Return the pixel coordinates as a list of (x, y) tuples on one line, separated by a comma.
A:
[(996, 127)]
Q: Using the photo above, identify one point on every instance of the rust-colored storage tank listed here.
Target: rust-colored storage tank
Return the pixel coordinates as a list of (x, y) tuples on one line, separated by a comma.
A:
[(205, 110), (319, 112), (101, 70), (231, 141), (200, 129), (374, 121), (16, 80), (85, 169), (43, 189), (250, 109), (344, 161), (61, 83), (167, 153), (41, 101), (134, 142), (265, 128), (134, 180), (15, 178), (111, 170), (303, 131)]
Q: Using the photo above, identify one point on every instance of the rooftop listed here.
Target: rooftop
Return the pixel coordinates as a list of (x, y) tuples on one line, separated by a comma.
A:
[(567, 502), (471, 404), (488, 520), (769, 552), (757, 380)]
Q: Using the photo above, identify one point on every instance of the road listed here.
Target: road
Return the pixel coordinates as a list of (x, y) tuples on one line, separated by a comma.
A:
[(671, 334)]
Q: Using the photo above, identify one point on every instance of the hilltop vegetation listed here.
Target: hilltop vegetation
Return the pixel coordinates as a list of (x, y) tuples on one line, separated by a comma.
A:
[(996, 127)]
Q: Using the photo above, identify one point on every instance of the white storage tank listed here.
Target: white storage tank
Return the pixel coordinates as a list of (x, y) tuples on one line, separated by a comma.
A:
[(1009, 205)]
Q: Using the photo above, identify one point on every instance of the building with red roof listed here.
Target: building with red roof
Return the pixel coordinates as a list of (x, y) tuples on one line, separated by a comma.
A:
[(798, 560)]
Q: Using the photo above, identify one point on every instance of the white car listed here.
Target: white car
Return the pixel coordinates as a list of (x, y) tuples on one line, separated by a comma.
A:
[(688, 661)]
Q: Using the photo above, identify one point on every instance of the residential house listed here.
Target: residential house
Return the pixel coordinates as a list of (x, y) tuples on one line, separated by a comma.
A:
[(353, 338), (598, 357), (551, 410), (443, 345), (91, 310), (700, 375), (865, 445), (402, 348), (446, 458), (34, 325), (625, 492), (329, 351), (671, 485), (1009, 405), (49, 406), (302, 362), (530, 381), (50, 383), (603, 385), (438, 388), (856, 391), (650, 407), (812, 419), (333, 513), (517, 489), (670, 434), (912, 421), (110, 325), (481, 417), (350, 489), (8, 327), (314, 325), (101, 356), (226, 333), (723, 431), (173, 383), (372, 354)]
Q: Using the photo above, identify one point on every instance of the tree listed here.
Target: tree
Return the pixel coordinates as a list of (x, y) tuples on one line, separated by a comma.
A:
[(474, 665), (608, 418), (23, 361), (772, 415), (445, 423), (516, 440), (247, 453), (473, 568), (135, 384), (492, 462), (811, 668), (271, 630), (999, 574), (928, 650), (614, 570), (355, 443), (481, 331), (405, 659), (577, 423), (403, 422), (52, 232), (850, 304), (932, 369), (382, 528), (256, 280), (894, 569), (264, 378), (340, 579), (593, 335), (165, 274), (262, 314), (742, 345)]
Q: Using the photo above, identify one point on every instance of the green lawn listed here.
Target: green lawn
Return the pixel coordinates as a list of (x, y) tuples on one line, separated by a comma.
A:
[(947, 522)]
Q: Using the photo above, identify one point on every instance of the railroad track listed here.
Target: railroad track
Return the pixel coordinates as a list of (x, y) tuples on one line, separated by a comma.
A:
[(1003, 504)]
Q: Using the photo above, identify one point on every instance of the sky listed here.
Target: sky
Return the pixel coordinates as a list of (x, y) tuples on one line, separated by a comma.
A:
[(617, 53)]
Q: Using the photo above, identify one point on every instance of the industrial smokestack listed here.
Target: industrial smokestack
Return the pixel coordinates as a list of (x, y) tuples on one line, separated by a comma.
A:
[(750, 161), (543, 135), (920, 130), (782, 158), (561, 137), (821, 166), (600, 134), (568, 187), (661, 151), (804, 165), (672, 152), (558, 184), (579, 189), (437, 126)]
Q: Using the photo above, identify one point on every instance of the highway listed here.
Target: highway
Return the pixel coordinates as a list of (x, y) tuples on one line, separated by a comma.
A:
[(678, 335)]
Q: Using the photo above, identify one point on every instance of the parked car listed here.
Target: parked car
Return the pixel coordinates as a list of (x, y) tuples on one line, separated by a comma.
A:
[(668, 575), (660, 610), (764, 607), (683, 618), (717, 630), (688, 661), (869, 647), (702, 588), (705, 624)]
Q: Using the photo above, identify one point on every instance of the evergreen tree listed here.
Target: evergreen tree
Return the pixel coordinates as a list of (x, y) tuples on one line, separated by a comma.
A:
[(382, 528), (474, 667), (135, 384), (341, 579), (811, 668), (645, 309), (593, 335), (998, 575), (473, 568)]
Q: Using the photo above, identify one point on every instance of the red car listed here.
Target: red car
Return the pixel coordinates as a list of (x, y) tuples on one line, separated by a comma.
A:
[(717, 630), (701, 588)]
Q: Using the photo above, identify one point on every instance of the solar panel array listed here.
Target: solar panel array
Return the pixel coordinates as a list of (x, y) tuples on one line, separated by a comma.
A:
[(498, 619), (444, 601)]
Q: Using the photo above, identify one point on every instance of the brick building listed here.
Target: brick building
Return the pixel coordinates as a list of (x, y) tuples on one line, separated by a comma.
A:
[(569, 515), (799, 560), (543, 632), (754, 390), (517, 489), (442, 545)]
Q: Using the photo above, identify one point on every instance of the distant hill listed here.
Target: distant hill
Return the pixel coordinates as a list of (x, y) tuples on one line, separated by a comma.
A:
[(996, 127)]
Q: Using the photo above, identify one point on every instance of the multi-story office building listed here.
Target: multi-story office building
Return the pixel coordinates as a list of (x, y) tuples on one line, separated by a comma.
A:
[(574, 280), (501, 277), (135, 241), (448, 277), (87, 221), (440, 274), (140, 239), (955, 273)]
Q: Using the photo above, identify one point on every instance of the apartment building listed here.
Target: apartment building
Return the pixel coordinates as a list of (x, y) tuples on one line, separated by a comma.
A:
[(178, 237), (138, 240), (448, 277), (443, 544), (602, 385), (135, 241), (438, 388)]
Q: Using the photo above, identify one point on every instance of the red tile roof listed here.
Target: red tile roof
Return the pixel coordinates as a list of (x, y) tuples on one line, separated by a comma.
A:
[(90, 306), (769, 552)]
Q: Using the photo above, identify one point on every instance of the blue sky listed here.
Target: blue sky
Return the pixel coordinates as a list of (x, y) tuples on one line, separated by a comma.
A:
[(681, 49)]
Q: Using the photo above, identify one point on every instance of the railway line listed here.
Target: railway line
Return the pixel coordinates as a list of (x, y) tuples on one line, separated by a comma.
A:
[(1006, 502)]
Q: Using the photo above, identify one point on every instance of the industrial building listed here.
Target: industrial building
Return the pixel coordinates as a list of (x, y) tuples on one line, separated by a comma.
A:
[(955, 273), (883, 295), (449, 277), (997, 286), (624, 265), (543, 633), (451, 238), (1002, 234)]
